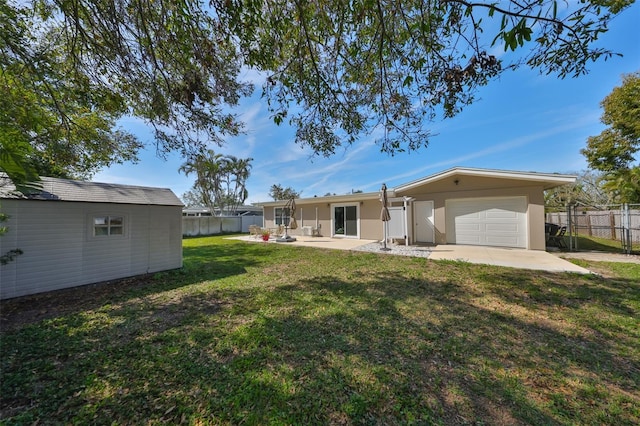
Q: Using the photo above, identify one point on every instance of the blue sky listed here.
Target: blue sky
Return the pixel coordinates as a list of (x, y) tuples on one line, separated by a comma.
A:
[(522, 121)]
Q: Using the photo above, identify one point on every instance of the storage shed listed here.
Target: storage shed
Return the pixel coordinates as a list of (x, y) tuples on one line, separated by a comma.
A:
[(74, 233)]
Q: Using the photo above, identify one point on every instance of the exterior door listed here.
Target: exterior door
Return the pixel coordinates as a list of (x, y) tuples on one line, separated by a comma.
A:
[(345, 220), (423, 221)]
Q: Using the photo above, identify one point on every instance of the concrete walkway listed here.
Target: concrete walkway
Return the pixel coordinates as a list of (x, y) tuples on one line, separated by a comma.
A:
[(514, 258), (510, 257), (599, 256)]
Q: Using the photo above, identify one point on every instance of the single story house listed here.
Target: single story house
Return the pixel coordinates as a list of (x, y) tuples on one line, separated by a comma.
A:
[(73, 233), (457, 206)]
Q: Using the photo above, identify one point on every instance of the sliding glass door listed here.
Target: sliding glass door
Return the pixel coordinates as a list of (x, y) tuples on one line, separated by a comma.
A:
[(345, 220)]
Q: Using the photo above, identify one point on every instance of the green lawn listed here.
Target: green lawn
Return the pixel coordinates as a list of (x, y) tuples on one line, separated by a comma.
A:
[(590, 243), (253, 333)]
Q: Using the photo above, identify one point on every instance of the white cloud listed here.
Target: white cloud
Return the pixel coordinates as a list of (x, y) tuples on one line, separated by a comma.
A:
[(517, 143)]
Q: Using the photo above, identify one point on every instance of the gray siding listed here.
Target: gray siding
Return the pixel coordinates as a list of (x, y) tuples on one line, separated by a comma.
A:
[(60, 250)]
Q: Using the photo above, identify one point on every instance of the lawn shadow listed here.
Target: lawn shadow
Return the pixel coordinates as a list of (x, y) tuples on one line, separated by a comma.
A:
[(394, 346), (207, 263)]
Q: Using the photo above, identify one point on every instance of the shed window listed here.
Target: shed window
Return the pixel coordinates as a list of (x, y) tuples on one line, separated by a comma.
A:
[(108, 225)]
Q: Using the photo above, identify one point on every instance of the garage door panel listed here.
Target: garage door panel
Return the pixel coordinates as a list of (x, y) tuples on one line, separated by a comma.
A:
[(473, 240), (501, 214), (487, 221), (502, 241), (470, 227), (500, 228)]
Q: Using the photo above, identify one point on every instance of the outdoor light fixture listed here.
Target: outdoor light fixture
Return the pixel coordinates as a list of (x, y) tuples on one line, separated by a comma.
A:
[(456, 181)]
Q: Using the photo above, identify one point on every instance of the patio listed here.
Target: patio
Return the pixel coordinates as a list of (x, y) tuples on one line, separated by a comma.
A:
[(508, 257)]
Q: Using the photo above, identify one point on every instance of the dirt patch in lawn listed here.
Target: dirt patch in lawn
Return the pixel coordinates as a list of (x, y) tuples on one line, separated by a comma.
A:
[(21, 311)]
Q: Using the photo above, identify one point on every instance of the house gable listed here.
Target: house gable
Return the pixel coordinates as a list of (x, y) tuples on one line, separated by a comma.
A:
[(459, 179)]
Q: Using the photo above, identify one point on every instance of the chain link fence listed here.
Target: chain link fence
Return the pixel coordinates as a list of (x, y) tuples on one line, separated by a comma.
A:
[(620, 222)]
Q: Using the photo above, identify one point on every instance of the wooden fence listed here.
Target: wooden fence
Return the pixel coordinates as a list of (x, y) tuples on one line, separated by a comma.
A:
[(610, 224)]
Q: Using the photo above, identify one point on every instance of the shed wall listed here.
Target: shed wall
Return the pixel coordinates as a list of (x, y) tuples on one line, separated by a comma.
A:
[(60, 250)]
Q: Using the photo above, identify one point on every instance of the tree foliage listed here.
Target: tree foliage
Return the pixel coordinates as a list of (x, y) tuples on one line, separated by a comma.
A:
[(191, 199), (55, 121), (624, 185), (336, 69), (353, 66), (278, 193), (220, 181), (588, 190), (614, 150), (616, 146)]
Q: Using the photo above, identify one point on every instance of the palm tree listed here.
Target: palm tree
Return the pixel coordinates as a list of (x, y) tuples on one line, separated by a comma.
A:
[(240, 169), (207, 167), (220, 180)]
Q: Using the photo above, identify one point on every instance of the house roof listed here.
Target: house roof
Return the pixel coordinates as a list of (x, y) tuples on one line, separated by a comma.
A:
[(203, 209), (549, 180), (55, 189), (360, 196)]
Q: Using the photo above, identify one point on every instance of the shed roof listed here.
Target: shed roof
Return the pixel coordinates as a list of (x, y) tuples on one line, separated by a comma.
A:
[(55, 189)]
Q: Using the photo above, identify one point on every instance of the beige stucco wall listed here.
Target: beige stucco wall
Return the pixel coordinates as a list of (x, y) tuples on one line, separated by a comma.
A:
[(305, 216), (468, 187), (370, 223), (370, 226)]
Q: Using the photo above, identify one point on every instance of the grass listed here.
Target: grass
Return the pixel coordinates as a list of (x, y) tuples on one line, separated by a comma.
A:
[(590, 243), (273, 334)]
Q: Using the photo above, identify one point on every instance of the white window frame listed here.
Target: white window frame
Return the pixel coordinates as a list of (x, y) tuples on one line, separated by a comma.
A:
[(276, 216), (111, 225)]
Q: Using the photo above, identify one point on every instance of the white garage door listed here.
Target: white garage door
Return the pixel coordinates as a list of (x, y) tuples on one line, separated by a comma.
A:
[(487, 221)]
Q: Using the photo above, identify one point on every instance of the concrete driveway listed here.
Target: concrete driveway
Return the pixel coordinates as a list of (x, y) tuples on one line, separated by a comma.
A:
[(509, 257)]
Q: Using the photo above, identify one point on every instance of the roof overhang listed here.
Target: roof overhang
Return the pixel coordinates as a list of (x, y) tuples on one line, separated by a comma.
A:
[(361, 196), (548, 180)]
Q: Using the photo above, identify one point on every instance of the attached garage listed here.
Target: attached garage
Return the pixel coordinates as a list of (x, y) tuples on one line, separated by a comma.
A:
[(498, 222), (483, 207)]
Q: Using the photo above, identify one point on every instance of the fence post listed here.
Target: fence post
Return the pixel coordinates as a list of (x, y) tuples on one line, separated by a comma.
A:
[(569, 227), (626, 228), (612, 224)]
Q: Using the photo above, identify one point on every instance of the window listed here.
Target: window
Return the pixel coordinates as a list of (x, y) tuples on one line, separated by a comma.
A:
[(108, 225), (281, 216)]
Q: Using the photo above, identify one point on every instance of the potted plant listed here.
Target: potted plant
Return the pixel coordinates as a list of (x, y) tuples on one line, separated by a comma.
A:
[(265, 235)]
